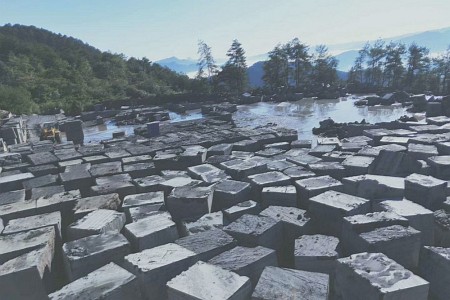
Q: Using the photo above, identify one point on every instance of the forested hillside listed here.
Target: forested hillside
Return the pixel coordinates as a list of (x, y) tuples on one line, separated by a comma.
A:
[(41, 71)]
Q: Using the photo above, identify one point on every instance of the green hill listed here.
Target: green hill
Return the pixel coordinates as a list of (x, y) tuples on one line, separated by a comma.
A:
[(41, 71)]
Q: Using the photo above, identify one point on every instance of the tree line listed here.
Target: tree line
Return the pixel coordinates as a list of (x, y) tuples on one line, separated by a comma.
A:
[(290, 68), (41, 71), (384, 67)]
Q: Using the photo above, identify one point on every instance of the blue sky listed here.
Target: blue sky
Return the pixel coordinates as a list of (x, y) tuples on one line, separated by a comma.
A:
[(164, 28)]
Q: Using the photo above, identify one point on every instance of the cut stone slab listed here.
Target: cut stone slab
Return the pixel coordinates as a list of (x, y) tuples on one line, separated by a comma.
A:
[(260, 181), (96, 222), (279, 165), (206, 172), (151, 231), (310, 187), (221, 149), (303, 160), (316, 253), (207, 244), (116, 154), (441, 228), (12, 197), (32, 268), (106, 169), (269, 152), (87, 205), (320, 150), (217, 284), (149, 183), (16, 244), (400, 140), (228, 193), (301, 144), (137, 159), (46, 180), (85, 255), (358, 165), (239, 169), (189, 202), (62, 202), (42, 170), (155, 267), (177, 182), (245, 261), (279, 195), (67, 154), (374, 186), (14, 182), (251, 231), (155, 200), (280, 283), (336, 156), (116, 283), (120, 184), (440, 166), (206, 222), (240, 209), (399, 243), (296, 173), (329, 208), (78, 177), (46, 191), (96, 159), (42, 158), (35, 222), (427, 191), (352, 226), (435, 268), (334, 169), (139, 170), (420, 151), (375, 151), (419, 217), (374, 276)]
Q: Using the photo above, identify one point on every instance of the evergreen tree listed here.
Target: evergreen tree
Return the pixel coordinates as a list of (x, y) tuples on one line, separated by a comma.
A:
[(234, 72), (206, 63), (276, 69)]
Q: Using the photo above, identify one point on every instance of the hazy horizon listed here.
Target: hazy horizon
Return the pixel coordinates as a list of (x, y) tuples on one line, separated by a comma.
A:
[(159, 30)]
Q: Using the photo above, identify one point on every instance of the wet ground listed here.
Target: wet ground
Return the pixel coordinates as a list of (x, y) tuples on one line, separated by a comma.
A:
[(301, 115)]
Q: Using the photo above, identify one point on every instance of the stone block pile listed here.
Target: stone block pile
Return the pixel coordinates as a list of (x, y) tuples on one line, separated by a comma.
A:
[(207, 210)]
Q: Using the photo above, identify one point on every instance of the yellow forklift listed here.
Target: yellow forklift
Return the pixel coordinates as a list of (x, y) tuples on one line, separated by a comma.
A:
[(50, 131)]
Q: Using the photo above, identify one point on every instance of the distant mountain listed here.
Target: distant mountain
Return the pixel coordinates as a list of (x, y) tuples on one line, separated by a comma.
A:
[(436, 40), (184, 66)]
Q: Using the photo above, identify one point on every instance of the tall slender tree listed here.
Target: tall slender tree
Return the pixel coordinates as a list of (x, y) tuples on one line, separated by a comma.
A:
[(299, 60), (206, 63), (234, 72), (276, 69), (324, 67)]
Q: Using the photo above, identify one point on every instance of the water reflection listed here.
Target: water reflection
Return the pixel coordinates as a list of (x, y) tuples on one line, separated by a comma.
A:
[(305, 114)]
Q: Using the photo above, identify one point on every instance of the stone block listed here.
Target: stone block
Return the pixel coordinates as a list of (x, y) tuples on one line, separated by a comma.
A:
[(220, 149), (151, 231), (87, 254), (46, 180), (310, 187), (420, 151), (240, 209), (42, 170), (441, 228), (155, 267), (67, 154), (12, 197), (87, 205), (419, 217), (116, 283), (245, 261), (280, 283), (46, 191), (228, 193), (251, 231), (96, 159), (434, 267), (316, 253), (440, 166), (206, 222), (329, 208), (427, 191), (206, 172), (139, 170), (42, 158), (76, 178), (32, 268), (260, 181), (297, 173), (151, 199), (352, 226), (279, 195), (334, 169), (106, 169), (303, 160), (149, 183), (320, 150), (367, 276), (358, 165), (14, 182), (239, 169), (120, 184), (206, 281), (96, 222), (16, 244), (207, 244), (399, 243), (374, 186), (189, 202), (52, 219)]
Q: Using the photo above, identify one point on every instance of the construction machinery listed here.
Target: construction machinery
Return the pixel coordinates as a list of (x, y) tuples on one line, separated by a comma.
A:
[(50, 131)]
